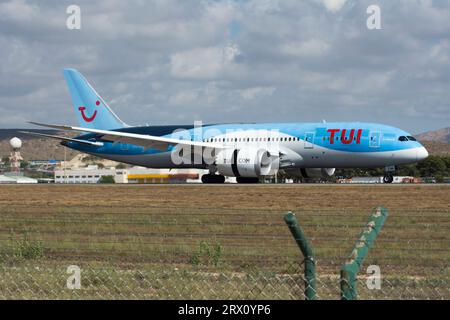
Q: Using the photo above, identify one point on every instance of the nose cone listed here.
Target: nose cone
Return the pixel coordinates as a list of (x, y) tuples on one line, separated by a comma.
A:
[(421, 153)]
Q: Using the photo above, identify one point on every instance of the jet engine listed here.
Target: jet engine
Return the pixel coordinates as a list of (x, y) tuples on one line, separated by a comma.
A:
[(248, 162)]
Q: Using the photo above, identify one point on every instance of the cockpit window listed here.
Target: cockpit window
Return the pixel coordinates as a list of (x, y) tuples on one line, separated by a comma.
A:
[(403, 138), (411, 138)]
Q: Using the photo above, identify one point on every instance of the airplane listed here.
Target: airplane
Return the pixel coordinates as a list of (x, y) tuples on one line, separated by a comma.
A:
[(247, 151)]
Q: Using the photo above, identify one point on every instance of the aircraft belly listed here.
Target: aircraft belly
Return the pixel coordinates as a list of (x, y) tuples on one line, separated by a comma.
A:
[(321, 157), (316, 157), (160, 160)]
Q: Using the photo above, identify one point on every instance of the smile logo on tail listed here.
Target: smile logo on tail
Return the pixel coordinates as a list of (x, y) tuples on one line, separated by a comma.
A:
[(86, 118)]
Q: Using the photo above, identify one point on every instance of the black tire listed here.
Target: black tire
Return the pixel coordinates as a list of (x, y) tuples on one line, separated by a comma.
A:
[(213, 178), (389, 178), (219, 179), (247, 180)]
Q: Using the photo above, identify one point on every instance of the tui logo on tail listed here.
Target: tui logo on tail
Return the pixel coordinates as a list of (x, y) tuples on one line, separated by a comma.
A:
[(83, 114)]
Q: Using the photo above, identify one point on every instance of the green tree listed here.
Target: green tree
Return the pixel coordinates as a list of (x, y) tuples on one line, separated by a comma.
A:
[(447, 164), (433, 166), (106, 179), (408, 170), (121, 166), (90, 158), (23, 165)]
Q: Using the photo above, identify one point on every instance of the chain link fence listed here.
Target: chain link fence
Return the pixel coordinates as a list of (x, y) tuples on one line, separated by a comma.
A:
[(175, 253)]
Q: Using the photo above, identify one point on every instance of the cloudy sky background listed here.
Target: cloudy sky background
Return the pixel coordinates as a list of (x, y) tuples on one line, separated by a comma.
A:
[(170, 62)]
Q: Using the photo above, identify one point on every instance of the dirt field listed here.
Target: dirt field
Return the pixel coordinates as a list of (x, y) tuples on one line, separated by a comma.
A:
[(218, 235), (275, 197)]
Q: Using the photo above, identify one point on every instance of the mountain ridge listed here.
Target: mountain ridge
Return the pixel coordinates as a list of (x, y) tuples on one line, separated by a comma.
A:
[(440, 135)]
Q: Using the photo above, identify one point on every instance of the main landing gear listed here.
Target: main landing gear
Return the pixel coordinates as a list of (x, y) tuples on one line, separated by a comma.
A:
[(388, 178), (247, 180), (217, 178), (213, 178), (389, 174)]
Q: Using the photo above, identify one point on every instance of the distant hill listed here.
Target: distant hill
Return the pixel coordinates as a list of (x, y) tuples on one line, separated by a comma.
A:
[(35, 148), (437, 142), (441, 135), (6, 134), (437, 148)]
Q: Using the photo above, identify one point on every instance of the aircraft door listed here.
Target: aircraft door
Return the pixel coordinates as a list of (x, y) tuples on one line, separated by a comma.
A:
[(374, 139), (309, 140)]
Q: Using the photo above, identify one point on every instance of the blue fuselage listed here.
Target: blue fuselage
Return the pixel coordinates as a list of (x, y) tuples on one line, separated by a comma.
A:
[(304, 145)]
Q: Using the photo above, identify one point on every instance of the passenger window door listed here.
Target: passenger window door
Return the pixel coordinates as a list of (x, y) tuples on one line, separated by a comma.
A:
[(309, 140), (374, 139)]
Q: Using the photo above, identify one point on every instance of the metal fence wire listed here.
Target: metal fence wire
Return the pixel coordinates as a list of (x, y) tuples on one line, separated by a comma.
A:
[(164, 253)]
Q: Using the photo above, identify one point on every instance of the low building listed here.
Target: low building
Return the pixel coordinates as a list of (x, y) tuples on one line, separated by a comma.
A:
[(363, 180), (145, 175), (50, 162), (90, 174), (139, 175), (6, 180), (366, 180), (16, 179), (407, 180)]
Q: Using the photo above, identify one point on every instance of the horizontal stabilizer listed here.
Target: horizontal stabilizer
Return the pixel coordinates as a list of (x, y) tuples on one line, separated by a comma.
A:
[(92, 143), (54, 126)]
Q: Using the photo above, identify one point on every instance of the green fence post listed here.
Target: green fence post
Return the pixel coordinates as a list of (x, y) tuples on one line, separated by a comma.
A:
[(351, 267), (308, 254)]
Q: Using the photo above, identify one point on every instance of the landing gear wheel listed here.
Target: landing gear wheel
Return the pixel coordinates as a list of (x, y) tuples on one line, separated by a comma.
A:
[(247, 180), (213, 178), (389, 178)]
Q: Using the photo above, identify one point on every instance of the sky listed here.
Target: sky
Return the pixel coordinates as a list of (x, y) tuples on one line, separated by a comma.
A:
[(175, 62)]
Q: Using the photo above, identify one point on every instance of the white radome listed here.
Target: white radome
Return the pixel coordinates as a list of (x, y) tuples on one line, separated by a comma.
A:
[(15, 143)]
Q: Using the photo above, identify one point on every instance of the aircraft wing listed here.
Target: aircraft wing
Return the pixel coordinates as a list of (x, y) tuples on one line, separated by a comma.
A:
[(146, 141)]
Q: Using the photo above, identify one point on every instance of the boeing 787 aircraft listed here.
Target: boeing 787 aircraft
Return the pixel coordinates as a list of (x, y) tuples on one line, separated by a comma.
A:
[(245, 151)]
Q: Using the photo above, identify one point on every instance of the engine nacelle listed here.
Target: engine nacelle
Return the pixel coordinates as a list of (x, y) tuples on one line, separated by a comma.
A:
[(318, 172), (248, 162)]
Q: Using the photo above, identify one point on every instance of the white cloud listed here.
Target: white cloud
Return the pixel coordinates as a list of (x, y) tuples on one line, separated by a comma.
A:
[(231, 53), (439, 53), (179, 60), (256, 92), (334, 5), (183, 98), (203, 63), (18, 10), (265, 6), (311, 47)]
